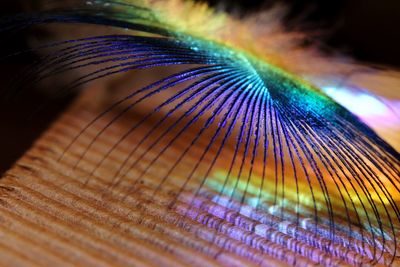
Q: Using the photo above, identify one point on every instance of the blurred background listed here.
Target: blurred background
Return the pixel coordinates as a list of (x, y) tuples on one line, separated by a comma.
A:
[(367, 30)]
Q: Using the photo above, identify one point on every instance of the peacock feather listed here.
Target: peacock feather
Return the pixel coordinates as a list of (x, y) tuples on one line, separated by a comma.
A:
[(244, 128)]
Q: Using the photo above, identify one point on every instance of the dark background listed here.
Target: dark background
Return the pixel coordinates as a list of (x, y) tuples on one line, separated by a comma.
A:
[(368, 30)]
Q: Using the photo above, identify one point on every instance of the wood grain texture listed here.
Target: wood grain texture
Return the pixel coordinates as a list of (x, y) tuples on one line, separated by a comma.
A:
[(55, 214)]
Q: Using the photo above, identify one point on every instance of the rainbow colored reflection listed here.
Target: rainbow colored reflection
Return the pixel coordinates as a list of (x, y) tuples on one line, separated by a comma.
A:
[(371, 109)]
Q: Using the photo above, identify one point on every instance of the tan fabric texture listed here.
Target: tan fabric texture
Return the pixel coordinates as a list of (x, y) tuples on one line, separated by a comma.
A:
[(53, 213)]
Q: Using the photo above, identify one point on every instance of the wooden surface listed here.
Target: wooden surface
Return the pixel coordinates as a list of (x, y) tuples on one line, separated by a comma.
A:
[(53, 214)]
